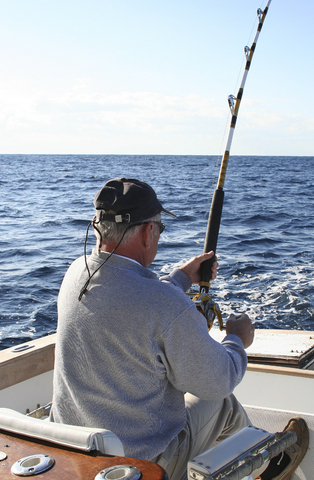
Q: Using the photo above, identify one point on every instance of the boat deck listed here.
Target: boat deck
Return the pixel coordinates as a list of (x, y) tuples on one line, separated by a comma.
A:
[(290, 348)]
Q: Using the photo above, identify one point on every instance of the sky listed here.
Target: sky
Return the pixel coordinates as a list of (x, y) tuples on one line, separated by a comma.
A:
[(153, 77)]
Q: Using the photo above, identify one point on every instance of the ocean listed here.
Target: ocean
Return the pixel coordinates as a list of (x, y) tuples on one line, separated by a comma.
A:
[(265, 247)]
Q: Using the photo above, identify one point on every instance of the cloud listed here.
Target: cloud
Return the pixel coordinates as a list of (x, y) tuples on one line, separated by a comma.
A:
[(82, 120), (79, 107), (98, 120), (127, 108), (276, 122)]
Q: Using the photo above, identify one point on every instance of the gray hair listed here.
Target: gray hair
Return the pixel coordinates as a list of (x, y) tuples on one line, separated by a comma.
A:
[(112, 231)]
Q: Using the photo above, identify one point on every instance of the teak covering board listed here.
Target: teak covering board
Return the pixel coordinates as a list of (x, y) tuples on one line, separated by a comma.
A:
[(69, 464)]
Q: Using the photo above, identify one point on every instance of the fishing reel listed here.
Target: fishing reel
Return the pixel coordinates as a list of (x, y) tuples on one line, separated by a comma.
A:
[(210, 309)]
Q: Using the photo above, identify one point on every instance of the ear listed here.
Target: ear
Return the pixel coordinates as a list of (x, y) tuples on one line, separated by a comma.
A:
[(148, 233)]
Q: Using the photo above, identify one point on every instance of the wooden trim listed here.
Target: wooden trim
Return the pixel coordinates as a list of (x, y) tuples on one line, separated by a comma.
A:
[(69, 464), (297, 372), (16, 367)]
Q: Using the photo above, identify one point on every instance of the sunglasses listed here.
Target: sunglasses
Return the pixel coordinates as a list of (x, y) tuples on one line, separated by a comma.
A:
[(161, 225)]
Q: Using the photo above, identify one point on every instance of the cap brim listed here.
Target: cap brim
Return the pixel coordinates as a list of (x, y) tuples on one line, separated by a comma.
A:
[(163, 210)]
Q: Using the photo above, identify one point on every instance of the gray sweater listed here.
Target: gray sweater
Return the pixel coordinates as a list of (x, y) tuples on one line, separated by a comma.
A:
[(127, 352)]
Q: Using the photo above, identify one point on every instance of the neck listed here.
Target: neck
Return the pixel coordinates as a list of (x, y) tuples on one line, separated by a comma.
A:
[(123, 250), (141, 247)]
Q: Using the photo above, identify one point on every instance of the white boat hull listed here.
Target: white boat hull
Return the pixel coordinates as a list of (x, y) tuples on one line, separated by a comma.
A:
[(271, 394)]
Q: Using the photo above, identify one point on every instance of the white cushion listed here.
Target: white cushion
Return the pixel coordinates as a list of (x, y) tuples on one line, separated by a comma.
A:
[(82, 438)]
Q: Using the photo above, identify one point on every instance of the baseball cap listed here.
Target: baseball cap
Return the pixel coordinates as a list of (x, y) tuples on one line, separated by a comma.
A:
[(131, 201)]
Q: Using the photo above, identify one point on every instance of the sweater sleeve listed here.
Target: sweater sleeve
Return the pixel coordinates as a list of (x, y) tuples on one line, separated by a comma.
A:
[(177, 279), (196, 363)]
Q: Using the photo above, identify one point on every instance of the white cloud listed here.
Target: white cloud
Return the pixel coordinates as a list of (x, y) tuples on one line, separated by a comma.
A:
[(84, 121), (98, 120)]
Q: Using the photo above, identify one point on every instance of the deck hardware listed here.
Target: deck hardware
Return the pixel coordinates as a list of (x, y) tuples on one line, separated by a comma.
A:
[(32, 465), (3, 456), (22, 348), (119, 472), (196, 475)]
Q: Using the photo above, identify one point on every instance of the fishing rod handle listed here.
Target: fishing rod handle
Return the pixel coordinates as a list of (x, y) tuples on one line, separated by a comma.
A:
[(212, 234)]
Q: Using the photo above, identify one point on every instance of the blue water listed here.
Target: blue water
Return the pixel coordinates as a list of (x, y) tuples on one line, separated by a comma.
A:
[(265, 247)]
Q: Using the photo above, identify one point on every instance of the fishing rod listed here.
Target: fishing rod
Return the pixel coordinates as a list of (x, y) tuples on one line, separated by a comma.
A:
[(203, 300)]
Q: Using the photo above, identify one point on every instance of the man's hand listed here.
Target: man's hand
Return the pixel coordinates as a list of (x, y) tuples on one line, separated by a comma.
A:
[(242, 327), (192, 267)]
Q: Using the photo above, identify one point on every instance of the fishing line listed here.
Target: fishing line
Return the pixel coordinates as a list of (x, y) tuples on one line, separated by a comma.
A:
[(236, 87), (203, 300), (247, 43), (214, 218), (223, 141)]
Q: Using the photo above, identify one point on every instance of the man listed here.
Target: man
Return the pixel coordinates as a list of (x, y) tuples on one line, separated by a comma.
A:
[(129, 344)]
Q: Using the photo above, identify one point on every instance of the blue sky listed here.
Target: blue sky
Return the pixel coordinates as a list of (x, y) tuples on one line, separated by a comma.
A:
[(153, 77)]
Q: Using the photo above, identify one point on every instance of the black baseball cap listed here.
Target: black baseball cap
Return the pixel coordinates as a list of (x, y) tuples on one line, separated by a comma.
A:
[(131, 201)]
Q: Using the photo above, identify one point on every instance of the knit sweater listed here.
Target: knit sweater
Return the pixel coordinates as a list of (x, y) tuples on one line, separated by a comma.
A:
[(127, 352)]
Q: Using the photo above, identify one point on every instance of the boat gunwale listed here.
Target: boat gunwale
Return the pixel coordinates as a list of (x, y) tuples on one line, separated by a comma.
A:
[(16, 367)]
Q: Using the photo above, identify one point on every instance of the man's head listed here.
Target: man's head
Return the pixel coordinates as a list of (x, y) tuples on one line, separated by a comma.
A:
[(125, 202)]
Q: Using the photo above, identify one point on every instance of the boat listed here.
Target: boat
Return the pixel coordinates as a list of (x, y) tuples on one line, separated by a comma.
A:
[(278, 385)]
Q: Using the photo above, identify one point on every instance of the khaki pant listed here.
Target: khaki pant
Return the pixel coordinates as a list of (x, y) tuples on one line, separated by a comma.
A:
[(207, 422)]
